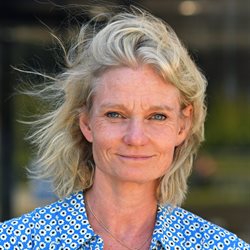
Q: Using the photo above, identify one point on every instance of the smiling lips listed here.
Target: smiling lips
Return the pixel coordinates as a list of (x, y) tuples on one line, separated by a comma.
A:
[(136, 157)]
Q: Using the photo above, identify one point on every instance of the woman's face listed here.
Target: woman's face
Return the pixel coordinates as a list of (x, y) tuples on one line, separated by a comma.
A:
[(135, 124)]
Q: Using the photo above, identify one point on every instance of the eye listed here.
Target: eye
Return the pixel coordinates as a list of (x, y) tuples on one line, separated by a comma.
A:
[(114, 115), (158, 117)]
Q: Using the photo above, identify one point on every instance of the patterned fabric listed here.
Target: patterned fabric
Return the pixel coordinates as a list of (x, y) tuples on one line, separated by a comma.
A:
[(64, 225)]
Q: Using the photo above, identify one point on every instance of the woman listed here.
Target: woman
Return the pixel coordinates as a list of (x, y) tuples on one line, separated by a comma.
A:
[(119, 145)]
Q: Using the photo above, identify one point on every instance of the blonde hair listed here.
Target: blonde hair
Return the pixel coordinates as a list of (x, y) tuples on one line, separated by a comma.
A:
[(129, 38)]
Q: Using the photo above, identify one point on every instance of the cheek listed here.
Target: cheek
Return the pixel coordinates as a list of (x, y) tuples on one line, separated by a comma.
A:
[(100, 150), (166, 135), (166, 141), (166, 159), (167, 152), (105, 138), (105, 133)]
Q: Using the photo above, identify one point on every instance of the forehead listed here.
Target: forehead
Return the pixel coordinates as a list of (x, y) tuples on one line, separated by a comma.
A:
[(141, 85)]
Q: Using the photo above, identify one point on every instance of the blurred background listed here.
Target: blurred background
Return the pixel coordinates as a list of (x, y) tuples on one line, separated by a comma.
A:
[(217, 34)]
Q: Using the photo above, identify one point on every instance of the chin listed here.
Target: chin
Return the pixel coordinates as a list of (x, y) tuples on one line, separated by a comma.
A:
[(138, 178)]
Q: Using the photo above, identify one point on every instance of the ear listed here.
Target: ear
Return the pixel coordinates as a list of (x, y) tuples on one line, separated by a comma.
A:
[(84, 125), (185, 124)]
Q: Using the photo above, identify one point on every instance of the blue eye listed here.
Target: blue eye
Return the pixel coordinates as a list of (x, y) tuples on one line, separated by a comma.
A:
[(158, 117), (114, 115)]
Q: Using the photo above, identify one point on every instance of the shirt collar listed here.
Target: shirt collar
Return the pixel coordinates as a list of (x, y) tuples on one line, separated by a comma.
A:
[(159, 238)]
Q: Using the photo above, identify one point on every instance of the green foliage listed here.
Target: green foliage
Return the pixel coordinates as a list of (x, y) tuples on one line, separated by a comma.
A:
[(228, 121)]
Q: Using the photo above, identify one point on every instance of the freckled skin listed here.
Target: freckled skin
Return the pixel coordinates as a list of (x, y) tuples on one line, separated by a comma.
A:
[(135, 125)]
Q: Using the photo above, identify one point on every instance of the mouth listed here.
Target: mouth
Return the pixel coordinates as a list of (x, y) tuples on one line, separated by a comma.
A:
[(135, 157)]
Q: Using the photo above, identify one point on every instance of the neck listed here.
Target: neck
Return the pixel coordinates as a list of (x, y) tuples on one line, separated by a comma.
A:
[(122, 196), (124, 207)]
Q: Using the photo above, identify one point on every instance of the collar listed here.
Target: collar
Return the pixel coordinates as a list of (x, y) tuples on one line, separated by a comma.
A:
[(159, 239), (168, 231)]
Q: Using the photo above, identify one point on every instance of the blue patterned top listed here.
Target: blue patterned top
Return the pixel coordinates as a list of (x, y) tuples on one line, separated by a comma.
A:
[(64, 225)]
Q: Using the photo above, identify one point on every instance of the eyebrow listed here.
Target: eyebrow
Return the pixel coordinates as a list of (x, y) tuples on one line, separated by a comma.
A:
[(123, 107), (161, 107)]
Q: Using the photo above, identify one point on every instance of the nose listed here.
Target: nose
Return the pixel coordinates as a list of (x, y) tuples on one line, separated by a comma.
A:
[(135, 133)]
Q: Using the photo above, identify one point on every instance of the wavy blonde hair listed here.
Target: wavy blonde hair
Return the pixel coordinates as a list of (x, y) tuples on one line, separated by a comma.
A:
[(129, 38)]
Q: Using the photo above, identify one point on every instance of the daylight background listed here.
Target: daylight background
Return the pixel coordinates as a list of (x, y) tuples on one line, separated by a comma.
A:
[(217, 34)]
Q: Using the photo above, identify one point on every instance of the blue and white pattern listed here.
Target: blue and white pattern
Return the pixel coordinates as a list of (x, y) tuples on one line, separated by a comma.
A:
[(64, 225)]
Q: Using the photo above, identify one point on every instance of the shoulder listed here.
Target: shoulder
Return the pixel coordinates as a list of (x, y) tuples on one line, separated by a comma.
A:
[(37, 228), (200, 233)]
